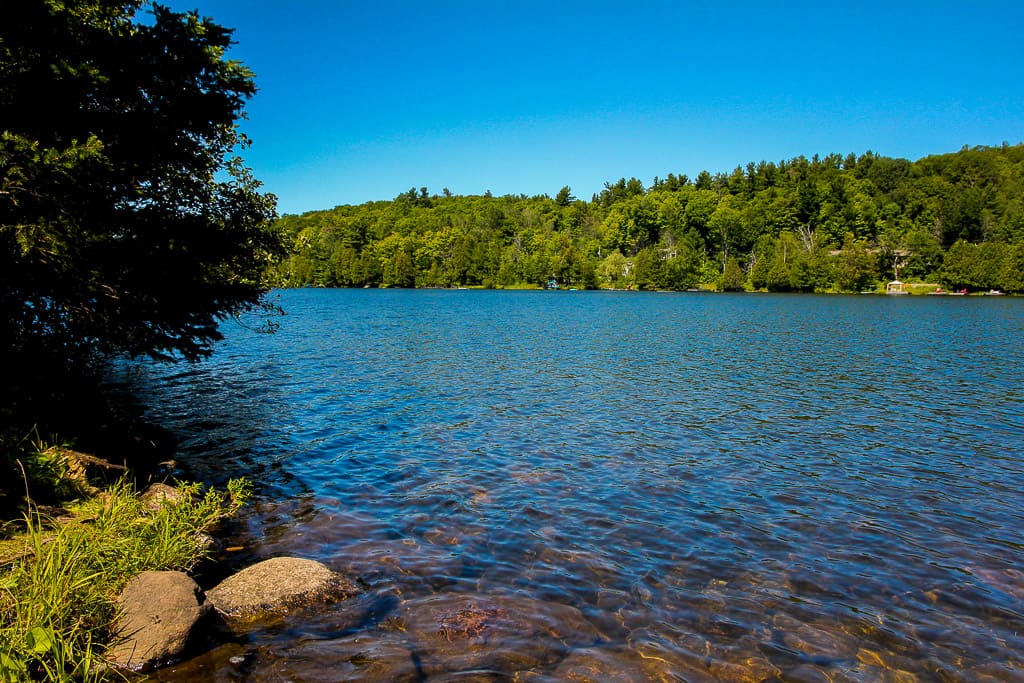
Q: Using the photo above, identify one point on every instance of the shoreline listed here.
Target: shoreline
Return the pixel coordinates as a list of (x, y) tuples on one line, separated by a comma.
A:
[(64, 574)]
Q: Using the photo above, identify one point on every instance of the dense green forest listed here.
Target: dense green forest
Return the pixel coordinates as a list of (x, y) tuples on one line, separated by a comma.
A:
[(831, 224)]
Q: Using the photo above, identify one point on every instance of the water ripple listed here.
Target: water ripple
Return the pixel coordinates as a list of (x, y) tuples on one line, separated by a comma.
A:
[(798, 487)]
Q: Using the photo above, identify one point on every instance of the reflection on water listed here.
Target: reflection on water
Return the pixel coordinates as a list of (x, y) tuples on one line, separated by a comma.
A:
[(613, 486)]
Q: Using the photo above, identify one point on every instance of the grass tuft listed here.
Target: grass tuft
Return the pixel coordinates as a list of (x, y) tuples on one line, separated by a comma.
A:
[(57, 600)]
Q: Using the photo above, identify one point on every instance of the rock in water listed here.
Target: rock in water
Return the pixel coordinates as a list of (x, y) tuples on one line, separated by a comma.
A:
[(276, 585), (158, 613), (460, 633)]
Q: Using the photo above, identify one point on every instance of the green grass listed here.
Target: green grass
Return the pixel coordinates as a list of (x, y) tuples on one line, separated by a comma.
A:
[(29, 462), (57, 601)]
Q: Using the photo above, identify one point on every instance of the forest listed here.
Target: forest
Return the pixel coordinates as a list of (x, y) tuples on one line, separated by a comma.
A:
[(826, 224)]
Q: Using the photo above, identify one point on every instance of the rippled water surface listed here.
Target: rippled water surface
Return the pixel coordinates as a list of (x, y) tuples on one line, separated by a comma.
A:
[(605, 486)]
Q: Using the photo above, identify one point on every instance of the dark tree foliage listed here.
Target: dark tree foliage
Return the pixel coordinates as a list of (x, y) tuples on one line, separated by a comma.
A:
[(127, 223)]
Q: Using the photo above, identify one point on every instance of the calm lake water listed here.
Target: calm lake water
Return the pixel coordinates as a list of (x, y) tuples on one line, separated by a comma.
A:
[(545, 486)]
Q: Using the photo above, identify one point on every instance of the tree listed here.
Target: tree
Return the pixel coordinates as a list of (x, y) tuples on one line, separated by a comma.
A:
[(958, 267), (724, 225), (700, 206), (127, 222), (786, 264), (1012, 274), (649, 272), (733, 276), (564, 196), (925, 254), (631, 225), (614, 269), (887, 174), (856, 268)]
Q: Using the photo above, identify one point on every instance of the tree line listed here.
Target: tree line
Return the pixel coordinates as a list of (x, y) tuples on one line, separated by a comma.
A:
[(826, 224)]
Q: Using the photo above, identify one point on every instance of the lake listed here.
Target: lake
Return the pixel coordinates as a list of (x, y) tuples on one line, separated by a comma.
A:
[(546, 486)]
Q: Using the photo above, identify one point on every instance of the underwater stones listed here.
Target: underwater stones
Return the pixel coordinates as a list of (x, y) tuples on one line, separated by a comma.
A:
[(159, 611), (807, 673), (414, 562), (220, 663), (276, 585), (358, 658), (819, 641), (754, 669), (452, 633), (608, 665), (667, 660)]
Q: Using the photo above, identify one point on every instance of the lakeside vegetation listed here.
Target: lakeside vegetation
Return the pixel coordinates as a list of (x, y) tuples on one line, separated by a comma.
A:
[(826, 224), (60, 579)]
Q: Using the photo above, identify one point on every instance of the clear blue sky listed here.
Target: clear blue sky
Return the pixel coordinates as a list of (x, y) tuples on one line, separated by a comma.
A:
[(362, 100)]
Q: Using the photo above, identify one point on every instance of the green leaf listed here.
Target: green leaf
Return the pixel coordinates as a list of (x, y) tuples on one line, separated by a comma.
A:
[(40, 639), (10, 667)]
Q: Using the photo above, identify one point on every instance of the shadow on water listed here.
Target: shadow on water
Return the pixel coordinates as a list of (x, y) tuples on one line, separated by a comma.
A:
[(604, 486)]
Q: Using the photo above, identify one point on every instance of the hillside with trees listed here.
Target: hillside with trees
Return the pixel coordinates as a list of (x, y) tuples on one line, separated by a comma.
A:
[(831, 224)]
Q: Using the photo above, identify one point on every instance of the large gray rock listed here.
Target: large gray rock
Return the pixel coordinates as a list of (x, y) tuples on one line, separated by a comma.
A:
[(158, 613), (276, 585), (158, 495)]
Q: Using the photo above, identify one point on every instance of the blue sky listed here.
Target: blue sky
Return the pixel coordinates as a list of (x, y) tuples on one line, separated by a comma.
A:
[(360, 101)]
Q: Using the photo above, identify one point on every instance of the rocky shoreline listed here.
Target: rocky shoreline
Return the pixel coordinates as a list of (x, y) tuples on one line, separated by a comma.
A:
[(161, 611)]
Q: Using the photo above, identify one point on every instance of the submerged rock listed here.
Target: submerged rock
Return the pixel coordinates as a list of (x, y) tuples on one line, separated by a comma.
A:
[(465, 633), (159, 611), (276, 585), (755, 669), (368, 658), (222, 663), (606, 665), (672, 656)]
